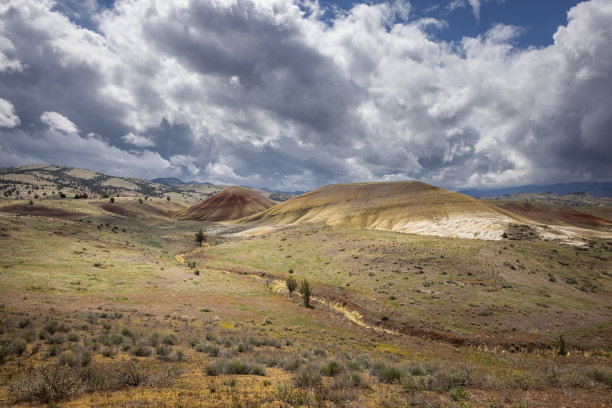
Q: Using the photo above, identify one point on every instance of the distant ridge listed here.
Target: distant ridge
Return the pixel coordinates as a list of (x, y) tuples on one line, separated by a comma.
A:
[(601, 189), (230, 204), (409, 206), (173, 182)]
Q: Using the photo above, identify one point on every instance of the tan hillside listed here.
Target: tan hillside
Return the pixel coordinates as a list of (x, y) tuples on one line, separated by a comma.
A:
[(409, 206), (230, 204)]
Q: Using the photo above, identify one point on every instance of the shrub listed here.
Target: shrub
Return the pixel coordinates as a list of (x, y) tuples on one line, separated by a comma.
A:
[(233, 366), (25, 322), (349, 381), (291, 363), (386, 373), (46, 383), (179, 356), (140, 350), (167, 376), (458, 394), (116, 338), (169, 339), (291, 283), (127, 332), (601, 376), (132, 373), (212, 350), (237, 367), (308, 376), (70, 359), (57, 338), (214, 368), (114, 376), (17, 347), (331, 368)]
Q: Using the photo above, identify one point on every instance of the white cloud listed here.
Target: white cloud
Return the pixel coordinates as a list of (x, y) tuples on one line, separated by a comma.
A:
[(475, 4), (255, 92), (137, 140), (185, 161), (8, 118), (57, 121)]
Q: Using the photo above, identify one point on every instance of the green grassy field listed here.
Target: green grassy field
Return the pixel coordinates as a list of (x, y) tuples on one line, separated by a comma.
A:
[(98, 310), (523, 291)]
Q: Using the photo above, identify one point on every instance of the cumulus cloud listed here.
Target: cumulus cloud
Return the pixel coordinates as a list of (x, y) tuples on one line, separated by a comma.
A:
[(57, 121), (8, 118), (137, 140), (269, 93)]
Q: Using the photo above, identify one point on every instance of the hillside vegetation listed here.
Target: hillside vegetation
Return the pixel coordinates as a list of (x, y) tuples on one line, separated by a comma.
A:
[(39, 181), (114, 304)]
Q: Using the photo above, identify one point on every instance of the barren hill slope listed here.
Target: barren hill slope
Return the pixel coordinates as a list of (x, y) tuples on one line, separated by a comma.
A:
[(230, 204), (409, 206)]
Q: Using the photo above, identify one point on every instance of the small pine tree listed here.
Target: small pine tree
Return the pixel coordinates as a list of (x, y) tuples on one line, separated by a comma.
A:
[(292, 284), (168, 198), (112, 199), (200, 236), (306, 292)]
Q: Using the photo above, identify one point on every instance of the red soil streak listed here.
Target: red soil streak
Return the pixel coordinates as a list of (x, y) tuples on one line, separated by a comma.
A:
[(115, 209), (555, 214), (39, 210)]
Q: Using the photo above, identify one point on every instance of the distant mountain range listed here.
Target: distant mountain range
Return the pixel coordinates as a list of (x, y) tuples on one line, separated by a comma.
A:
[(173, 182), (602, 189)]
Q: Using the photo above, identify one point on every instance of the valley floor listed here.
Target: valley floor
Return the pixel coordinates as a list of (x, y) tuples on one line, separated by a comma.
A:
[(104, 309)]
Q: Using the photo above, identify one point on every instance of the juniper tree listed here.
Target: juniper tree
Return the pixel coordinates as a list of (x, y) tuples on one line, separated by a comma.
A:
[(200, 236), (306, 292)]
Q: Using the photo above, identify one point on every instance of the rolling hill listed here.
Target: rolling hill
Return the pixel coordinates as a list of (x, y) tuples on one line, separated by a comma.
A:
[(397, 206), (230, 204), (50, 181)]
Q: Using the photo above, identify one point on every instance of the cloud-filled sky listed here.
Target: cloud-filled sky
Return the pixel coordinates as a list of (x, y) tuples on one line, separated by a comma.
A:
[(295, 94)]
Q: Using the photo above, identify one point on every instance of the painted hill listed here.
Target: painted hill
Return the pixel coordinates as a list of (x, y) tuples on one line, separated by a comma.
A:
[(409, 206), (556, 214), (230, 204)]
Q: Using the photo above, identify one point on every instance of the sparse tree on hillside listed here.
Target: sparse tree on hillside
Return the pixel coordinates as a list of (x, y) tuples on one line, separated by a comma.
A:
[(292, 284), (112, 199), (200, 236), (306, 292), (168, 198)]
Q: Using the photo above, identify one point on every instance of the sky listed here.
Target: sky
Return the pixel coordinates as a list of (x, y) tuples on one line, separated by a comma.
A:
[(293, 95)]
